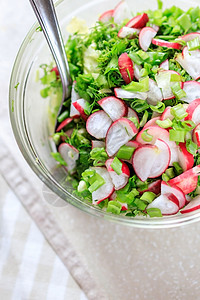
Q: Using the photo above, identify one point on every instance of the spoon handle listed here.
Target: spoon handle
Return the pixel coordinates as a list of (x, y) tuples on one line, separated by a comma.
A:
[(46, 15)]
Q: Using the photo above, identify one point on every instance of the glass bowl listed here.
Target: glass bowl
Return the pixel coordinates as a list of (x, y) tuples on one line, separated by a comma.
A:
[(29, 112)]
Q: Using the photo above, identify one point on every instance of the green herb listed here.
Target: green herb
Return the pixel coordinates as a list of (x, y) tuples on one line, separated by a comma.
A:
[(58, 157), (177, 135), (125, 152), (178, 168), (16, 86), (191, 147), (154, 212), (116, 165), (99, 156), (114, 207)]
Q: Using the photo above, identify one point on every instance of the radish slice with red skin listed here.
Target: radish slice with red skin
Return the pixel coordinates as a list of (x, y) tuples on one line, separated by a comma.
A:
[(121, 12), (107, 16), (138, 21), (146, 36), (176, 191), (166, 84), (114, 107), (166, 206), (119, 133), (132, 114), (154, 95), (98, 123), (55, 69), (81, 105), (98, 144), (74, 97), (150, 161), (64, 123), (106, 190), (189, 37), (165, 65), (70, 155), (192, 89), (121, 180), (186, 181), (193, 205), (185, 159), (123, 94), (154, 187), (190, 62), (126, 67), (166, 44), (126, 32), (151, 122), (167, 114), (196, 135), (193, 111)]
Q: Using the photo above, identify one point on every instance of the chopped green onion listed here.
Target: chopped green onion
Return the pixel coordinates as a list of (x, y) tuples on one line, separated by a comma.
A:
[(56, 138), (154, 212), (63, 116), (165, 123), (170, 173), (178, 168), (141, 86), (140, 204), (44, 92), (191, 147), (144, 118), (82, 186), (159, 107), (178, 111), (125, 152), (160, 4), (175, 78), (193, 44), (177, 91), (143, 54), (96, 182), (135, 121), (116, 165), (114, 207), (88, 174), (188, 124), (57, 156), (139, 105), (177, 135), (148, 197), (185, 22), (146, 137), (165, 177), (135, 58), (143, 72)]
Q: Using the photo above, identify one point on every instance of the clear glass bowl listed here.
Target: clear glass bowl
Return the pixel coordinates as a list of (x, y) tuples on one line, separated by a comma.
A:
[(29, 112)]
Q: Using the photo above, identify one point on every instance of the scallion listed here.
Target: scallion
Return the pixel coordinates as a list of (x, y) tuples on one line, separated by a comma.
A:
[(177, 135), (116, 165), (191, 147), (125, 152), (177, 91), (178, 168), (193, 44), (96, 182), (148, 197), (144, 118), (154, 212), (178, 111), (114, 207), (146, 137), (165, 123)]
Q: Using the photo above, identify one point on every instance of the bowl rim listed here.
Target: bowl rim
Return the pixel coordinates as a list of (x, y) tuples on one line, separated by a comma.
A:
[(44, 175)]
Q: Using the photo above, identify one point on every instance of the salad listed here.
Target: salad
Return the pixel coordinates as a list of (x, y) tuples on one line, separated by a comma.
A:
[(129, 135)]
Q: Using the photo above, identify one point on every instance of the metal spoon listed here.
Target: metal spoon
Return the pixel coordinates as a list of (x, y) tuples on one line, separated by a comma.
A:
[(46, 15)]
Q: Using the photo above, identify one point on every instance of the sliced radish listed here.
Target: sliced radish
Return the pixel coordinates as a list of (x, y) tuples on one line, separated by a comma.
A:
[(98, 144), (185, 159), (190, 61), (106, 16), (165, 65), (119, 133), (167, 114), (158, 132), (137, 69), (74, 97), (106, 190), (121, 12), (155, 27), (70, 155), (192, 89), (187, 181), (150, 161), (196, 135), (193, 205), (154, 187), (189, 37), (124, 205), (64, 123), (176, 191), (126, 67), (123, 94), (151, 122), (98, 123), (121, 180), (126, 32), (163, 79), (114, 107), (154, 95), (193, 111), (166, 44), (145, 37), (132, 114), (138, 21), (55, 69), (81, 104), (166, 206)]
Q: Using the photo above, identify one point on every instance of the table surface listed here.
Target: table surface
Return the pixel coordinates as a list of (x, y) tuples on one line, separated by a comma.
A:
[(128, 263)]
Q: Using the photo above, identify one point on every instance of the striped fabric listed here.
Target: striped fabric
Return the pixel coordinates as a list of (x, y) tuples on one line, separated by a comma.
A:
[(29, 268)]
